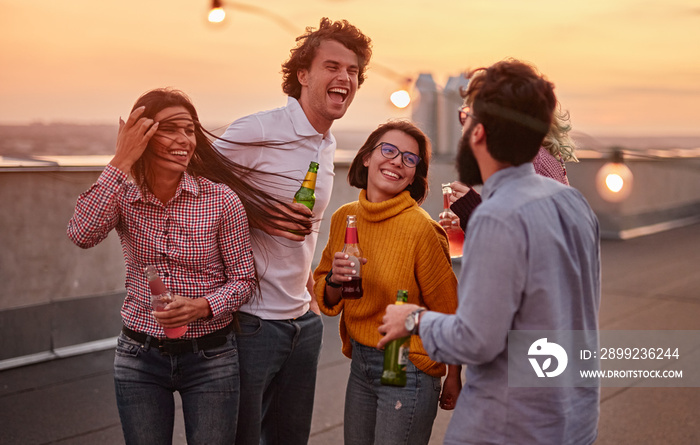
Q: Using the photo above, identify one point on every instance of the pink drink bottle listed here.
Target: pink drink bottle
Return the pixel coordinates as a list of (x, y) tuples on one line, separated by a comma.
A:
[(160, 297), (450, 222)]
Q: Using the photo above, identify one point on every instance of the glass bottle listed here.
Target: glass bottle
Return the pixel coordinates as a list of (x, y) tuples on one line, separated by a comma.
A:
[(160, 297), (306, 194), (450, 222), (352, 290), (396, 354)]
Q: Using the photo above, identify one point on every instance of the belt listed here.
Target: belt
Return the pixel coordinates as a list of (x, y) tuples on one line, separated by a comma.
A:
[(181, 346)]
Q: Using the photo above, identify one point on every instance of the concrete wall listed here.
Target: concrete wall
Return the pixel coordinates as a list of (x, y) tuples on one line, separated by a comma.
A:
[(54, 294), (665, 193)]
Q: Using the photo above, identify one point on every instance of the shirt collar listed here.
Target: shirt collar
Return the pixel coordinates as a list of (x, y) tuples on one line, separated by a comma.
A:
[(505, 175), (188, 184), (301, 123)]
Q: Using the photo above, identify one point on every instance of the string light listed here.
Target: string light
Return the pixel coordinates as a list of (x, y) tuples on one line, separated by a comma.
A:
[(614, 179), (217, 13), (400, 98)]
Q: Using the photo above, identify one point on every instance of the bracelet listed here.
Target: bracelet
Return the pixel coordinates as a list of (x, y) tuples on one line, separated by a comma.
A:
[(330, 283)]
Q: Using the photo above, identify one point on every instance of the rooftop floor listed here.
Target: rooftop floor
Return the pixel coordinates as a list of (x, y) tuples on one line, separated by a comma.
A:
[(650, 282)]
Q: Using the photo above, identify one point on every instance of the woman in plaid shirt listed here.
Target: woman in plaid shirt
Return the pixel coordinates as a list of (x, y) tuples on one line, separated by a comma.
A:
[(186, 212)]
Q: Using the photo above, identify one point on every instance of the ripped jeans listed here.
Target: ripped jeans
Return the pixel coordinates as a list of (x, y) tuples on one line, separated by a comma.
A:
[(387, 415)]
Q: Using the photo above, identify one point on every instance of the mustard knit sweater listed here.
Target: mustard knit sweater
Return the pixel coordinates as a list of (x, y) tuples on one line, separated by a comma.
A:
[(405, 249)]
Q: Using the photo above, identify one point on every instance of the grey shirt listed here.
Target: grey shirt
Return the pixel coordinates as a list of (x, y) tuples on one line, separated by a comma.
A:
[(531, 262)]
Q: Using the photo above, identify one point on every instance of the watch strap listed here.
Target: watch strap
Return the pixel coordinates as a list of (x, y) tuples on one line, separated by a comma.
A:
[(329, 282), (416, 320)]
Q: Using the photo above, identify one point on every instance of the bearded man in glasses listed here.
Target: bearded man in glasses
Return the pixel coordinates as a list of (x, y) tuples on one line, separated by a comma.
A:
[(531, 263)]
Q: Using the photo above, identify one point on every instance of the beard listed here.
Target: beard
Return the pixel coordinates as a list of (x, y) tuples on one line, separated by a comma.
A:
[(467, 166)]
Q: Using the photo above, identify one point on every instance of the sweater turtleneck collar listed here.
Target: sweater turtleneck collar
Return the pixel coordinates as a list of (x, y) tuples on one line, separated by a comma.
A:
[(380, 211)]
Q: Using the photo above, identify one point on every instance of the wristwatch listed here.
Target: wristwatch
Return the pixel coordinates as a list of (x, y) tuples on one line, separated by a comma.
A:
[(329, 282), (412, 321)]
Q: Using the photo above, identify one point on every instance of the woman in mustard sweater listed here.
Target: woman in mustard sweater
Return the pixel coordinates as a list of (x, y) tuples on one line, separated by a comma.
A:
[(403, 249)]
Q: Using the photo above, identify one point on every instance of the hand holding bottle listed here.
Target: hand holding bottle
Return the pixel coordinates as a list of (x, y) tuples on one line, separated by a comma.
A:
[(292, 231), (393, 323), (181, 311), (458, 190), (396, 353), (163, 302), (306, 197), (343, 269)]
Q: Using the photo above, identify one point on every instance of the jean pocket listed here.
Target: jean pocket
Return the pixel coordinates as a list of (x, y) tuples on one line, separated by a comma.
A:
[(226, 350), (127, 347), (250, 325), (437, 384)]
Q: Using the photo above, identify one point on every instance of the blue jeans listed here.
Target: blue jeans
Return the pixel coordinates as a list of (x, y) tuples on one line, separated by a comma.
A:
[(387, 415), (278, 378), (208, 383)]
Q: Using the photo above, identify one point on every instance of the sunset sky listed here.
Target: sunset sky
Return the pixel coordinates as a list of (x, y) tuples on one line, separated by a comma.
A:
[(621, 67)]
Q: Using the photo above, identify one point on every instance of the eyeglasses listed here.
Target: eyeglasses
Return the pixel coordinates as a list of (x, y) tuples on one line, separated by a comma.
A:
[(390, 151), (465, 111)]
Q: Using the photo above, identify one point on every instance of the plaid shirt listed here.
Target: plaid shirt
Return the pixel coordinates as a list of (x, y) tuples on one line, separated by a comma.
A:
[(199, 243), (551, 167)]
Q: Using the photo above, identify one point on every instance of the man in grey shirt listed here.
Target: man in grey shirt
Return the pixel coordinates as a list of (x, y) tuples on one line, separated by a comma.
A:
[(531, 262)]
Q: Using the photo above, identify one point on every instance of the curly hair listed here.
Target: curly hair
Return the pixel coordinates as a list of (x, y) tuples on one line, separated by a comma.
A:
[(357, 174), (558, 142), (303, 54)]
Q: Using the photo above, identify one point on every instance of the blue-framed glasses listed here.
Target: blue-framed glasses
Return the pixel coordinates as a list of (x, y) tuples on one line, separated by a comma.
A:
[(390, 151)]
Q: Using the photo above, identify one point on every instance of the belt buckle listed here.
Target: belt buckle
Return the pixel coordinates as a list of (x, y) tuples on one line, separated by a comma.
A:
[(173, 347)]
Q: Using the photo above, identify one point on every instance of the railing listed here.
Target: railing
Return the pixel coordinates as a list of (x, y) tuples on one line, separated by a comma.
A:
[(58, 299)]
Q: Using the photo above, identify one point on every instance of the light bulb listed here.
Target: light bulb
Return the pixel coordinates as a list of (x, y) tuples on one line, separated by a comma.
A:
[(217, 15), (614, 180), (400, 98)]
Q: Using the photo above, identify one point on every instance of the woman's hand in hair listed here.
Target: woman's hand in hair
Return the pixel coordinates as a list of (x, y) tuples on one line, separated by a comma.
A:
[(132, 139), (295, 231)]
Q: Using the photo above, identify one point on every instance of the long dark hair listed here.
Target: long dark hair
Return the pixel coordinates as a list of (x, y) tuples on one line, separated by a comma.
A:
[(357, 175), (208, 163)]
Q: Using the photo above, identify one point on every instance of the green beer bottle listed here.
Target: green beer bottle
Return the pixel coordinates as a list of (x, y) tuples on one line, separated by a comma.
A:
[(396, 354), (306, 195)]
